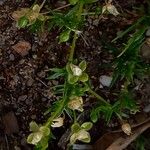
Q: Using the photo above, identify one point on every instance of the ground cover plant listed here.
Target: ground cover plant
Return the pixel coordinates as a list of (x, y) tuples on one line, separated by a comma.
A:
[(75, 83), (76, 80)]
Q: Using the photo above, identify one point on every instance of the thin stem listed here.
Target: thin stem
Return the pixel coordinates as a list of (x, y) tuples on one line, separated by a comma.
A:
[(42, 4), (73, 47), (79, 13), (74, 116), (60, 108), (62, 7), (59, 8), (98, 96)]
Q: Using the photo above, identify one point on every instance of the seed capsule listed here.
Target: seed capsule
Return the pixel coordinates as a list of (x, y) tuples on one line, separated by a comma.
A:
[(126, 128)]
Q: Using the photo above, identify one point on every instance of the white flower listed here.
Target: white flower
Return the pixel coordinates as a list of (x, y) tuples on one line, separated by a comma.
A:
[(76, 70), (58, 122), (81, 135), (34, 138), (76, 103)]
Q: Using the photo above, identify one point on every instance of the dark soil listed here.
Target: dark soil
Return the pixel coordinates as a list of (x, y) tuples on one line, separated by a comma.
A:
[(25, 93)]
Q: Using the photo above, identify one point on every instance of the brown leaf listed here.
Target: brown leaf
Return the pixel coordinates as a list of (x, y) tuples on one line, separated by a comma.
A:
[(116, 140), (20, 13), (122, 142), (22, 48)]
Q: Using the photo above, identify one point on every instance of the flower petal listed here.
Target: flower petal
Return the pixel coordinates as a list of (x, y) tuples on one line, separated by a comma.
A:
[(58, 122), (76, 70)]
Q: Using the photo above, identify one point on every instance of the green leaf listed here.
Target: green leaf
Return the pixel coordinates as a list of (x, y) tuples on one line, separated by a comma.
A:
[(89, 1), (83, 65), (108, 115), (75, 127), (22, 22), (94, 116), (45, 130), (55, 76), (43, 143), (72, 79), (64, 36), (37, 26), (73, 2), (84, 77), (87, 125), (134, 26), (58, 73), (33, 126)]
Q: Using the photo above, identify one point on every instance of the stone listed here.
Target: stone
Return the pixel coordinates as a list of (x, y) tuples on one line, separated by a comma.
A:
[(105, 80)]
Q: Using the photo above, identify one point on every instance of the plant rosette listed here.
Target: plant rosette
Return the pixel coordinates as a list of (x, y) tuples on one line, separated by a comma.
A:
[(77, 73)]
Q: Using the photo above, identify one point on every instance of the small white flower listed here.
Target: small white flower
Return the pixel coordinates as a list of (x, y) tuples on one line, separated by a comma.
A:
[(81, 135), (34, 138), (76, 70), (76, 103), (58, 122)]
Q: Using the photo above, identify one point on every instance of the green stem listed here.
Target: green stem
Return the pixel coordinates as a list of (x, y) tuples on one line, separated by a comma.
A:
[(74, 116), (60, 108), (73, 47), (65, 96), (97, 96), (79, 14)]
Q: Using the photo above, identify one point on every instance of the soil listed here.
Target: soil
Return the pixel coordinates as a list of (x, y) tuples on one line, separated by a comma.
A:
[(25, 93)]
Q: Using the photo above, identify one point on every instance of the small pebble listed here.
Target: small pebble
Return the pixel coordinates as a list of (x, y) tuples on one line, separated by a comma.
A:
[(148, 32), (30, 82), (105, 80), (22, 98), (11, 57), (147, 109)]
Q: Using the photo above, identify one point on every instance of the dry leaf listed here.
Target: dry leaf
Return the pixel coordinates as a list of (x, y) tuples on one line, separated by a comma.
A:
[(22, 48), (115, 140), (20, 13)]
